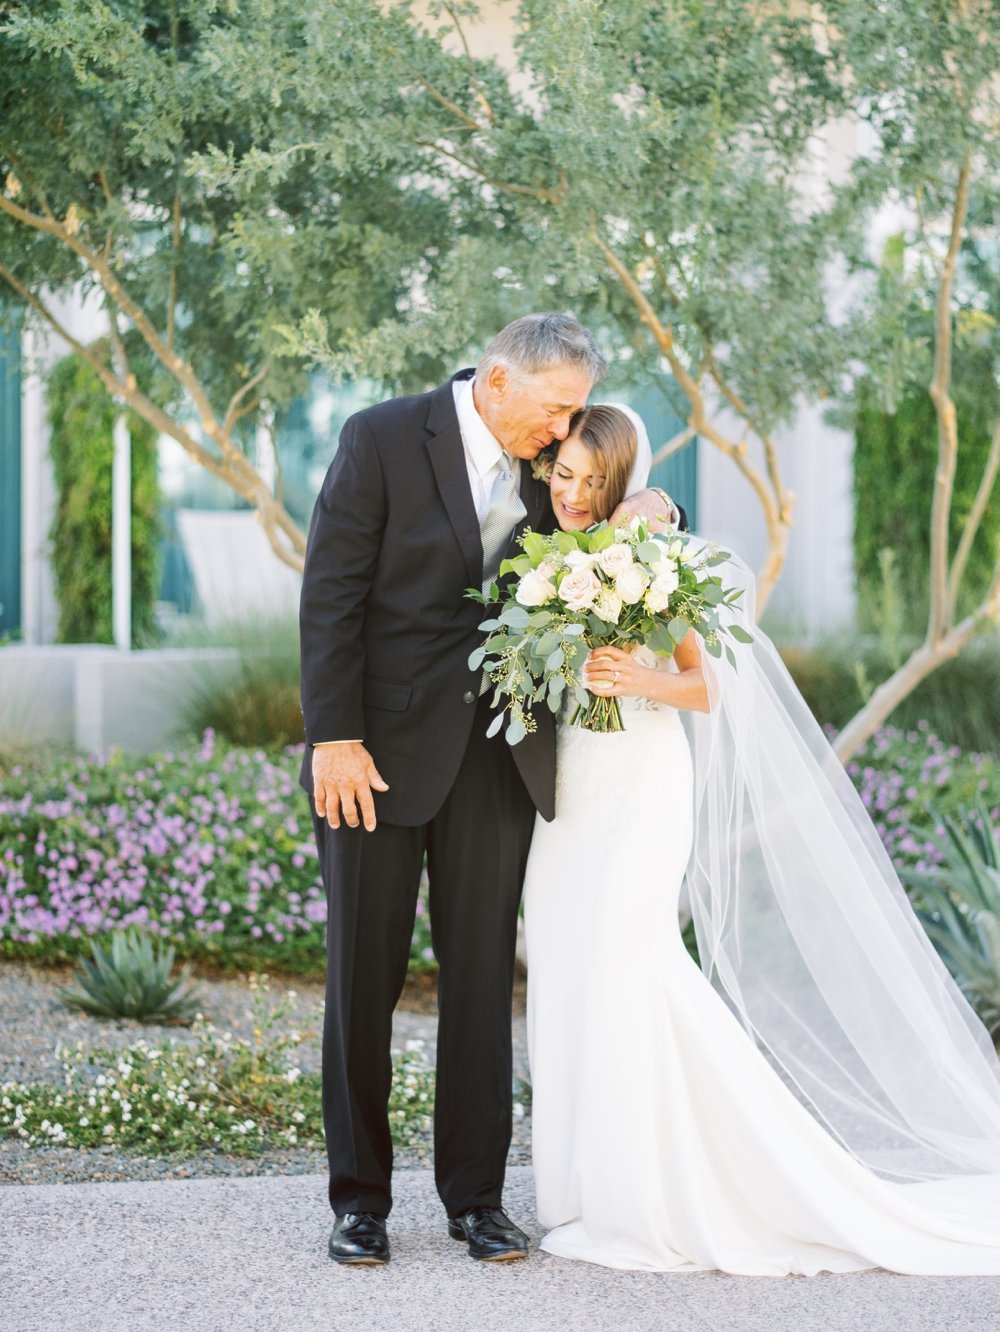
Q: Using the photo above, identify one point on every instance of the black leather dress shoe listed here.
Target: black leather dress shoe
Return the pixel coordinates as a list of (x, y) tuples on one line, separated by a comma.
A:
[(491, 1234), (359, 1238)]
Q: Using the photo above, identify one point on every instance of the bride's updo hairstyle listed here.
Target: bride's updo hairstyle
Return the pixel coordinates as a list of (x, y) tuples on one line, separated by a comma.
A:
[(609, 437)]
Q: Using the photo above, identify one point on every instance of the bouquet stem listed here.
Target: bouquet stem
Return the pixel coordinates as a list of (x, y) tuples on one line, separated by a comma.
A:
[(600, 714)]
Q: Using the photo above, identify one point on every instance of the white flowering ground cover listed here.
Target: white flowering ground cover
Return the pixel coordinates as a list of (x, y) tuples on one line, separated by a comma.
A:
[(241, 1095)]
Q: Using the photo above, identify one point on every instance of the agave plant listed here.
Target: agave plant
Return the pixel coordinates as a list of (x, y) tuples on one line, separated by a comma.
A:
[(959, 906), (130, 977)]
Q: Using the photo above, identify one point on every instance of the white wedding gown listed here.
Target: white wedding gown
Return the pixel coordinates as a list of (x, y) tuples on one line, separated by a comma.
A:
[(663, 1140)]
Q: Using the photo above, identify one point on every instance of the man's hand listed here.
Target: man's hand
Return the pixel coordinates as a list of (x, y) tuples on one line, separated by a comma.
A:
[(344, 778), (650, 505)]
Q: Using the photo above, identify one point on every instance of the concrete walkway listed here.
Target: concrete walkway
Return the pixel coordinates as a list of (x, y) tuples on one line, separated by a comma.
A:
[(211, 1255)]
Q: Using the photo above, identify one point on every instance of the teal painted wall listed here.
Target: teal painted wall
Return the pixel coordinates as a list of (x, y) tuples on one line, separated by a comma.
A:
[(10, 482), (678, 474)]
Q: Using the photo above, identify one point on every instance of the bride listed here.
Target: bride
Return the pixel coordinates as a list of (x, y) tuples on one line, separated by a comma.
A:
[(819, 1096)]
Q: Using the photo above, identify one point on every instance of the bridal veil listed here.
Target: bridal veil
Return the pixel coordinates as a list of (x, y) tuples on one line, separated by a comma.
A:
[(805, 930)]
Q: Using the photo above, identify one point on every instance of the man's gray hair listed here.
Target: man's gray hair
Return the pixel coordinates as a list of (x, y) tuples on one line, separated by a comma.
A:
[(539, 342)]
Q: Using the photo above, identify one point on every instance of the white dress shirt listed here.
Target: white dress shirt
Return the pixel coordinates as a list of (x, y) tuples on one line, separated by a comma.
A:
[(482, 450)]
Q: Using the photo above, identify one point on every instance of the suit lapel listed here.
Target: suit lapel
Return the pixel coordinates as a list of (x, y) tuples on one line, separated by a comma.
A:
[(447, 458)]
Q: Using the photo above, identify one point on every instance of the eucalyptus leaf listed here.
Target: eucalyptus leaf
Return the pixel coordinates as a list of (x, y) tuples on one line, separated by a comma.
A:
[(515, 732), (660, 640), (494, 726)]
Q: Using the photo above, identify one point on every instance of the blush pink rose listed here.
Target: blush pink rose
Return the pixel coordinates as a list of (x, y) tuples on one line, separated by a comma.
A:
[(579, 589)]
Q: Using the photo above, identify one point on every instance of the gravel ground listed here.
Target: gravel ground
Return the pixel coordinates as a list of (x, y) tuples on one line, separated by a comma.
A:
[(36, 1028)]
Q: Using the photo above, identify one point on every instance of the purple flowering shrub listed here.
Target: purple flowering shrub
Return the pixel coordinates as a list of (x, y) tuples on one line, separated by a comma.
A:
[(908, 779), (211, 848)]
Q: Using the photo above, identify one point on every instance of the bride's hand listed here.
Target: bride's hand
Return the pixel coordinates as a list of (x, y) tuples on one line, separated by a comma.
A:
[(610, 671)]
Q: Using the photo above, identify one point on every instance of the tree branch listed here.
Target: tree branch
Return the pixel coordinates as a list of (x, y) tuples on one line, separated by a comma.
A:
[(26, 179), (921, 663), (175, 240), (233, 413), (972, 524), (450, 11), (448, 105), (784, 497), (776, 504), (673, 445), (940, 391), (555, 196), (126, 392)]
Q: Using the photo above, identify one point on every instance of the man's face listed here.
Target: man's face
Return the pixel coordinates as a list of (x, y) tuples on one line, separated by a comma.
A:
[(525, 413)]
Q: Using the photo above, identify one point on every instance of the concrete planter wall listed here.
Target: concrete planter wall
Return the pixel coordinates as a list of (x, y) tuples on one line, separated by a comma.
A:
[(96, 698)]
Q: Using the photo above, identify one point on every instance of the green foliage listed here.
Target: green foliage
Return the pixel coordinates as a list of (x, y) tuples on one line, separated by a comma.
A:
[(895, 459), (122, 118), (257, 702), (82, 451), (960, 701), (959, 905), (130, 978), (671, 132), (241, 1096)]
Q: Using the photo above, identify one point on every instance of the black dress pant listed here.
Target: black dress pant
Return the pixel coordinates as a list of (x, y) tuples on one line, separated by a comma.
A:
[(477, 846)]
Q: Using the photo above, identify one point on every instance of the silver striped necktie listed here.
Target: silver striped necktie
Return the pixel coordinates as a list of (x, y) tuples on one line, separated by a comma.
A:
[(505, 511)]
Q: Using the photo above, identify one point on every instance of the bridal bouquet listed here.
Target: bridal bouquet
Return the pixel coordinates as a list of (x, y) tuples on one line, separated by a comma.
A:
[(575, 591)]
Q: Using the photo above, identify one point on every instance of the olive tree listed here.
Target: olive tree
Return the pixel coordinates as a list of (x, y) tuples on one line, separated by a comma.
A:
[(111, 115)]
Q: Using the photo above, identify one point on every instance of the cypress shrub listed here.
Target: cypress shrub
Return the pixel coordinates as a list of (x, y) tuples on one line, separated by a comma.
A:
[(82, 417)]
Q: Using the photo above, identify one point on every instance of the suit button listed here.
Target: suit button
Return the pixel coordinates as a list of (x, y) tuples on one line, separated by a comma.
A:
[(468, 697)]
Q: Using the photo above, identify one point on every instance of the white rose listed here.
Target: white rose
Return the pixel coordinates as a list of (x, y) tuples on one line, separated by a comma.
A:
[(656, 599), (662, 588), (631, 583), (579, 589), (579, 559), (668, 580), (608, 605), (533, 589), (615, 558), (548, 568)]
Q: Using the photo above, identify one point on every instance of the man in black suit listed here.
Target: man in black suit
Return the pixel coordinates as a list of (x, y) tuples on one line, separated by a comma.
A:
[(399, 766)]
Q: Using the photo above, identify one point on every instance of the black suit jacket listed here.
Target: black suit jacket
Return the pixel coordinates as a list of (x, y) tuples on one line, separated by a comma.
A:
[(386, 630)]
